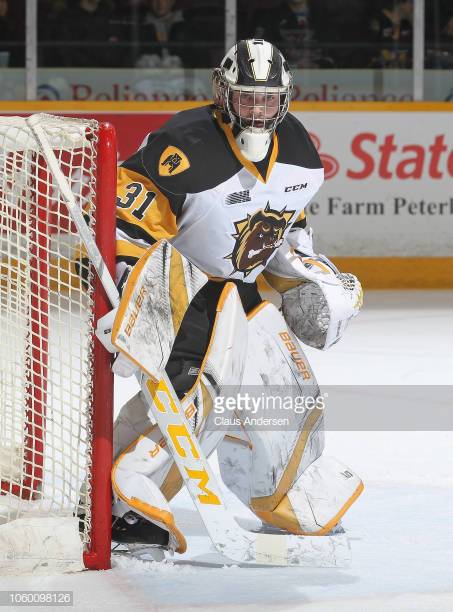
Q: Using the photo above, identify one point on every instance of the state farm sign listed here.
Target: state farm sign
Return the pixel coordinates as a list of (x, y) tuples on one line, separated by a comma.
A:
[(388, 159), (388, 188)]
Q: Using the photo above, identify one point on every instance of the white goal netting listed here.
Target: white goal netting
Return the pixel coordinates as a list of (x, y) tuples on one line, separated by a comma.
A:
[(46, 331)]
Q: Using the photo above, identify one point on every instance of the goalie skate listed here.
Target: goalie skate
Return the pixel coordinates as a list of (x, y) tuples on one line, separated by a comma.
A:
[(141, 552), (134, 536)]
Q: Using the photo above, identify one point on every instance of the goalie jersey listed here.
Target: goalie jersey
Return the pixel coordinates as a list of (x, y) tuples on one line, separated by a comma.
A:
[(189, 183)]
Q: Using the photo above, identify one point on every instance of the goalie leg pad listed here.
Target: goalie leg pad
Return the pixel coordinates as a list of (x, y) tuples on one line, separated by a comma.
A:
[(145, 470), (313, 505), (317, 500), (143, 496), (155, 299), (280, 373), (261, 467), (281, 474), (141, 448), (132, 420)]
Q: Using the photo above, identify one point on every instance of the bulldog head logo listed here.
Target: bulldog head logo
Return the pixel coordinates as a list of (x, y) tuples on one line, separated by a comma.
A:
[(257, 237)]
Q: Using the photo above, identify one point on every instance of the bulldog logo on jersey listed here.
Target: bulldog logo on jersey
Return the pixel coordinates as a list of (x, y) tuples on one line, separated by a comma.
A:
[(257, 237), (173, 161)]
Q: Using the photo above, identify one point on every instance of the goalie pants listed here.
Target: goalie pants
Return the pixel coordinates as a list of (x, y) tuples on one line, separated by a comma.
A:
[(192, 340)]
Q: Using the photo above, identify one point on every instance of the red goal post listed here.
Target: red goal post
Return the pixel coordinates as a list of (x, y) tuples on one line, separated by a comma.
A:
[(56, 385)]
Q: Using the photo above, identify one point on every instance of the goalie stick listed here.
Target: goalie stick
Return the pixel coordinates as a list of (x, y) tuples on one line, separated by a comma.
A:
[(230, 540)]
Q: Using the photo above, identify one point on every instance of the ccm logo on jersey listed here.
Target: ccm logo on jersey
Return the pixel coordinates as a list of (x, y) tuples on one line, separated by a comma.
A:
[(173, 161), (134, 314), (295, 355), (296, 187)]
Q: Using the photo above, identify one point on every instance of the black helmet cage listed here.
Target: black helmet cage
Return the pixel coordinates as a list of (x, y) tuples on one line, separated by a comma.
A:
[(223, 93)]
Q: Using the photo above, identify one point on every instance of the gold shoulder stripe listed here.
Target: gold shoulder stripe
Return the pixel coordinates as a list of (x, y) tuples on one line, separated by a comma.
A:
[(173, 161)]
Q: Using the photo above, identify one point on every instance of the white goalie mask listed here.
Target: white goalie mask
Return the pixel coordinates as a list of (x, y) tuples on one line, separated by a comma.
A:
[(253, 87)]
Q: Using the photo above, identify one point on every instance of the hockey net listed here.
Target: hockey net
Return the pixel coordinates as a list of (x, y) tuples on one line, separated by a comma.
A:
[(55, 380)]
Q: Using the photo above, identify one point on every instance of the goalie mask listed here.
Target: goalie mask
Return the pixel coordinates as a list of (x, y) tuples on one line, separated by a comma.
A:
[(253, 88)]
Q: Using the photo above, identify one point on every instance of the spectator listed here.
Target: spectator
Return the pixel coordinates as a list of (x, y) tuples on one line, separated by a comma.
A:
[(205, 34), (50, 21), (342, 31), (124, 28), (161, 34), (294, 28), (84, 25), (157, 33), (447, 39), (12, 36), (391, 30), (440, 54), (5, 34)]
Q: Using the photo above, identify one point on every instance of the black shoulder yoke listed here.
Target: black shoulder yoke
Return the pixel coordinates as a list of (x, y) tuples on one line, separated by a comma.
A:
[(295, 145), (188, 154)]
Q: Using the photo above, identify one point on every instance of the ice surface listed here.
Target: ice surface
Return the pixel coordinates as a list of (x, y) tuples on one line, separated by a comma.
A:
[(400, 528)]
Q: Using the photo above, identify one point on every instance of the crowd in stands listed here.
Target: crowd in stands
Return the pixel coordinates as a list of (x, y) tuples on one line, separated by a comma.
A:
[(12, 36), (190, 33)]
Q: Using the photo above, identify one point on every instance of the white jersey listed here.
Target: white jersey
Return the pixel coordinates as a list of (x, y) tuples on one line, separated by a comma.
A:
[(190, 184)]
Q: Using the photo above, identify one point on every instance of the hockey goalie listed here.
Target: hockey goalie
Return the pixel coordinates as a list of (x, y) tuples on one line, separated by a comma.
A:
[(211, 215)]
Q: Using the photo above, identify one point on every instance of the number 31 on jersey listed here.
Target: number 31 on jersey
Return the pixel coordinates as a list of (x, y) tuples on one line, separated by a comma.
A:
[(137, 198)]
